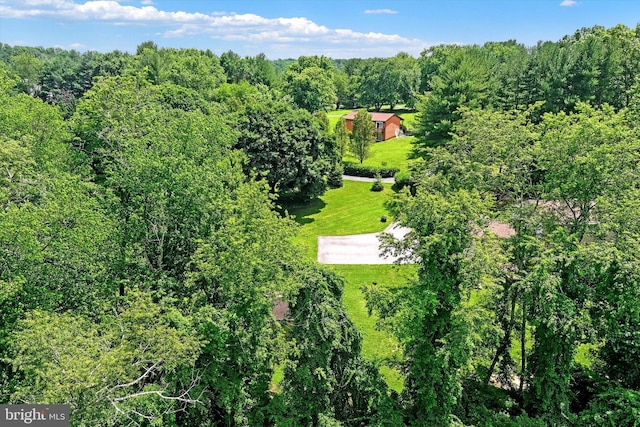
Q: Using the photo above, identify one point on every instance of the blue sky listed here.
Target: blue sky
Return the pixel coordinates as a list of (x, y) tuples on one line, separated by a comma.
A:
[(290, 28)]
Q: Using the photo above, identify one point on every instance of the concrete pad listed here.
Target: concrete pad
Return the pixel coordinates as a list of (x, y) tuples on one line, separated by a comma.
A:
[(356, 248), (363, 179), (397, 231)]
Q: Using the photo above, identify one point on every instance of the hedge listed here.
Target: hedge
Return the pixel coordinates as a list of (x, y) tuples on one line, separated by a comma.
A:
[(356, 169)]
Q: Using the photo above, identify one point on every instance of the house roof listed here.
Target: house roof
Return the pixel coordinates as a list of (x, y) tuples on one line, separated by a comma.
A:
[(375, 117)]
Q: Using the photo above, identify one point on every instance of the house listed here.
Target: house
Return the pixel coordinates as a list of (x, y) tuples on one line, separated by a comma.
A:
[(388, 125)]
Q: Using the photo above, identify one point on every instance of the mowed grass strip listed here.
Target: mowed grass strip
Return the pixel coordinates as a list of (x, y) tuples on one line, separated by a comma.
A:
[(352, 209), (378, 346)]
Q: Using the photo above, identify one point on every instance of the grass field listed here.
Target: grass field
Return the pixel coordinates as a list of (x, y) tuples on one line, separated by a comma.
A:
[(352, 209), (392, 153), (378, 346), (334, 116), (409, 120)]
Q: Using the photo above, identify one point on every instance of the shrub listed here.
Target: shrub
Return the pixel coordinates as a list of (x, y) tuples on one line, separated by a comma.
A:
[(356, 169), (615, 407), (377, 184), (334, 179)]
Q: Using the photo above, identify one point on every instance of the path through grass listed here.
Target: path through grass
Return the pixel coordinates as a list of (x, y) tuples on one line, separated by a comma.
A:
[(378, 346), (355, 209)]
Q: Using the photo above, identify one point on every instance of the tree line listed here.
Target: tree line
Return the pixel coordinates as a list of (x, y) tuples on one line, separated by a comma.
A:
[(596, 65)]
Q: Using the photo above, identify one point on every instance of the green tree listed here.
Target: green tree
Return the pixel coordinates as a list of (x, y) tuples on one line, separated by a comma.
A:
[(56, 235), (258, 70), (389, 81), (362, 135), (288, 147), (312, 89), (353, 68), (243, 267), (28, 68), (235, 96), (431, 315), (232, 64), (325, 373), (124, 368), (341, 84), (310, 82), (60, 82), (341, 134), (462, 79), (508, 62), (193, 69), (492, 151), (407, 74), (170, 170), (377, 84)]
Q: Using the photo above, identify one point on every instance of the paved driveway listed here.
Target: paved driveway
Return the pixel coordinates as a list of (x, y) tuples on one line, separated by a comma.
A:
[(356, 248)]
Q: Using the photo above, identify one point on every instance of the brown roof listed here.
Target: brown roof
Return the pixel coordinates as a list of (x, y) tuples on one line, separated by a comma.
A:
[(375, 117)]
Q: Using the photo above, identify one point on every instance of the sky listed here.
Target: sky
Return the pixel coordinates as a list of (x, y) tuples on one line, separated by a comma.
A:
[(290, 28)]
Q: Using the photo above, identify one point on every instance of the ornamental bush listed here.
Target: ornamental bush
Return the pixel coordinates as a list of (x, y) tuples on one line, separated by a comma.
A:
[(377, 184)]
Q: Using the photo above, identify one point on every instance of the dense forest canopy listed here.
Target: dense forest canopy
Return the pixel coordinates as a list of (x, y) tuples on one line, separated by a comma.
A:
[(144, 243)]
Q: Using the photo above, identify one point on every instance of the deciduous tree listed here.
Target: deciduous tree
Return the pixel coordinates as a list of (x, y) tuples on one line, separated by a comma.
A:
[(288, 147), (362, 135)]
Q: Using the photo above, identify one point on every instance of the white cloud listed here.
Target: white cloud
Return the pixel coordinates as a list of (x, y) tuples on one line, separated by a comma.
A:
[(76, 46), (569, 3), (146, 2), (293, 34), (381, 11)]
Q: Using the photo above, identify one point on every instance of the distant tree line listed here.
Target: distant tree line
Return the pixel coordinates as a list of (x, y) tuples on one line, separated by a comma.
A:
[(595, 65)]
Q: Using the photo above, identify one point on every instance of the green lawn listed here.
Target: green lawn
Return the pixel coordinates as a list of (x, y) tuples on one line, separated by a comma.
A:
[(378, 346), (390, 153), (355, 209), (409, 120), (352, 209)]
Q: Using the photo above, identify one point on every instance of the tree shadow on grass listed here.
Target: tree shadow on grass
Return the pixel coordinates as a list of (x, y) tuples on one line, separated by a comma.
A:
[(301, 212)]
